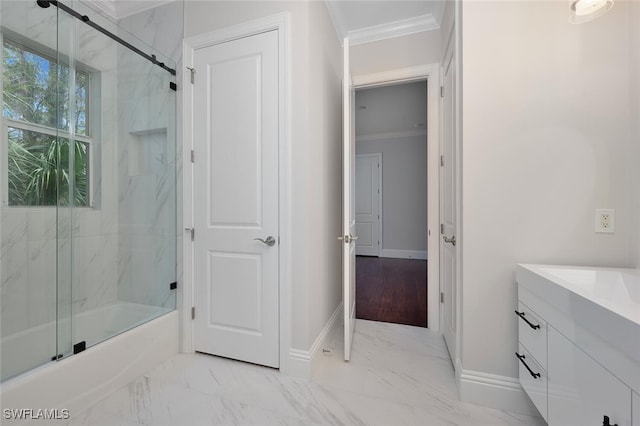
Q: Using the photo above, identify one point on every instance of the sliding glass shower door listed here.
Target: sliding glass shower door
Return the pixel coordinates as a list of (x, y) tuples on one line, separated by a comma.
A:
[(88, 226)]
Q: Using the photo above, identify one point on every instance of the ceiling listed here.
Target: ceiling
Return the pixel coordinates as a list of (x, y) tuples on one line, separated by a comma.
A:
[(360, 20)]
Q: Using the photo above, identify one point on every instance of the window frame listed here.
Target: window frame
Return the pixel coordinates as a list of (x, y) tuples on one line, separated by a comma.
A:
[(92, 121)]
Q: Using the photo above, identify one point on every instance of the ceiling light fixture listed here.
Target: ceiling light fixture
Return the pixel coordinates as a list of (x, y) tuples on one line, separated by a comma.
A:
[(587, 10)]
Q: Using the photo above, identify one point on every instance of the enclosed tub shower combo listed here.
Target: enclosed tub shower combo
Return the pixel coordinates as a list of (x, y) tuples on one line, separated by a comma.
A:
[(87, 184)]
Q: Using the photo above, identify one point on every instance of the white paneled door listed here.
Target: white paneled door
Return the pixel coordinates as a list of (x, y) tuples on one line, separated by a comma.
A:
[(236, 199), (348, 237), (368, 203), (448, 253)]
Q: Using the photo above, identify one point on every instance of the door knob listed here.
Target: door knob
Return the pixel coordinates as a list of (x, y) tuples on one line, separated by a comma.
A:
[(270, 241), (347, 238), (451, 240)]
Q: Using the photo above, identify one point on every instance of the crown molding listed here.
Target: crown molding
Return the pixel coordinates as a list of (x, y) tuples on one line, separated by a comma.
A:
[(393, 29)]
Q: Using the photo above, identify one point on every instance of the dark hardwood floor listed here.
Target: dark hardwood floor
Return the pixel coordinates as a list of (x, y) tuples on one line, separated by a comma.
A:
[(391, 290)]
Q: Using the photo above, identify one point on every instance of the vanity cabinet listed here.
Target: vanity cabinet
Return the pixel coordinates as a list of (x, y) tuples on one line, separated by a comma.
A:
[(578, 357), (581, 391)]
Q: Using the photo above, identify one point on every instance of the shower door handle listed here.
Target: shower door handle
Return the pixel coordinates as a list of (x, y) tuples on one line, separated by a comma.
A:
[(270, 241)]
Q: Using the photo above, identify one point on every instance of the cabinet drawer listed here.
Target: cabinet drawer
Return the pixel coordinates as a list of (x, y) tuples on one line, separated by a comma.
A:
[(532, 333), (581, 391), (533, 379)]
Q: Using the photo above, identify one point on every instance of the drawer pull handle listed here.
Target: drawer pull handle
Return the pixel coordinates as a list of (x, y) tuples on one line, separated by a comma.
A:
[(606, 422), (532, 325), (521, 358)]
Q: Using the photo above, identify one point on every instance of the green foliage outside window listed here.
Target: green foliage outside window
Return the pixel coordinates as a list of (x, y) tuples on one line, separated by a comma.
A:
[(36, 98)]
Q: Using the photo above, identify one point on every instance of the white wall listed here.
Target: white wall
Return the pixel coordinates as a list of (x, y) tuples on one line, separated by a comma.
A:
[(446, 25), (404, 190), (315, 74), (634, 75), (546, 142), (324, 167), (399, 52)]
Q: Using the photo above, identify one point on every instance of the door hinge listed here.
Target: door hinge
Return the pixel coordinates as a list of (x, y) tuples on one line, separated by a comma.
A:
[(173, 285), (442, 160), (193, 156), (173, 86), (441, 297), (192, 231), (193, 74), (193, 312), (442, 91), (442, 228)]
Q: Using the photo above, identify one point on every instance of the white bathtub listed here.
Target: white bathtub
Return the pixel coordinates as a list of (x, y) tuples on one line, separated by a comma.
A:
[(36, 346), (78, 381)]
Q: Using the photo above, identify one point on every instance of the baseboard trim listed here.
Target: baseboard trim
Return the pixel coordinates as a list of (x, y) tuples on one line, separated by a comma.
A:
[(326, 332), (302, 363), (490, 390), (299, 364), (404, 254)]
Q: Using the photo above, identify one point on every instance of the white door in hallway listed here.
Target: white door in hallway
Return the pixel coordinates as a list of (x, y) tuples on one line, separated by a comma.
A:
[(349, 235), (368, 203), (448, 252), (235, 185)]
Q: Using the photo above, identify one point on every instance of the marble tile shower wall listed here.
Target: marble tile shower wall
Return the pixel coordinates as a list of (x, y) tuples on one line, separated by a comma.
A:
[(161, 28), (29, 238), (147, 254)]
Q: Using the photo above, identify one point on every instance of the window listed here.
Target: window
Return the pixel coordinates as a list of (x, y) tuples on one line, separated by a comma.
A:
[(37, 108)]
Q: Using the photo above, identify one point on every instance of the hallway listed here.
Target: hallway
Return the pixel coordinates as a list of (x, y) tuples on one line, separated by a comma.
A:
[(399, 375)]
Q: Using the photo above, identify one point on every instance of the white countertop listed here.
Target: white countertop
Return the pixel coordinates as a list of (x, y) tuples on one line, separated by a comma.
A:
[(615, 289)]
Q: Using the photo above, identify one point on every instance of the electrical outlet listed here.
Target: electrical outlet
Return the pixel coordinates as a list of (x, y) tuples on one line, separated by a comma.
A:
[(605, 221)]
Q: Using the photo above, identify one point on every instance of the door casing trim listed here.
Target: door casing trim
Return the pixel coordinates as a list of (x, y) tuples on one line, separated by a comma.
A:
[(430, 73), (281, 23)]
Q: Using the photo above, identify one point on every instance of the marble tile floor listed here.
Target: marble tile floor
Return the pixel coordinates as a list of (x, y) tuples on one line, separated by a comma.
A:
[(398, 375)]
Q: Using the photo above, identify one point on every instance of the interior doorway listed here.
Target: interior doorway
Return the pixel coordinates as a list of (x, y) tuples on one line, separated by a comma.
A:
[(391, 203)]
